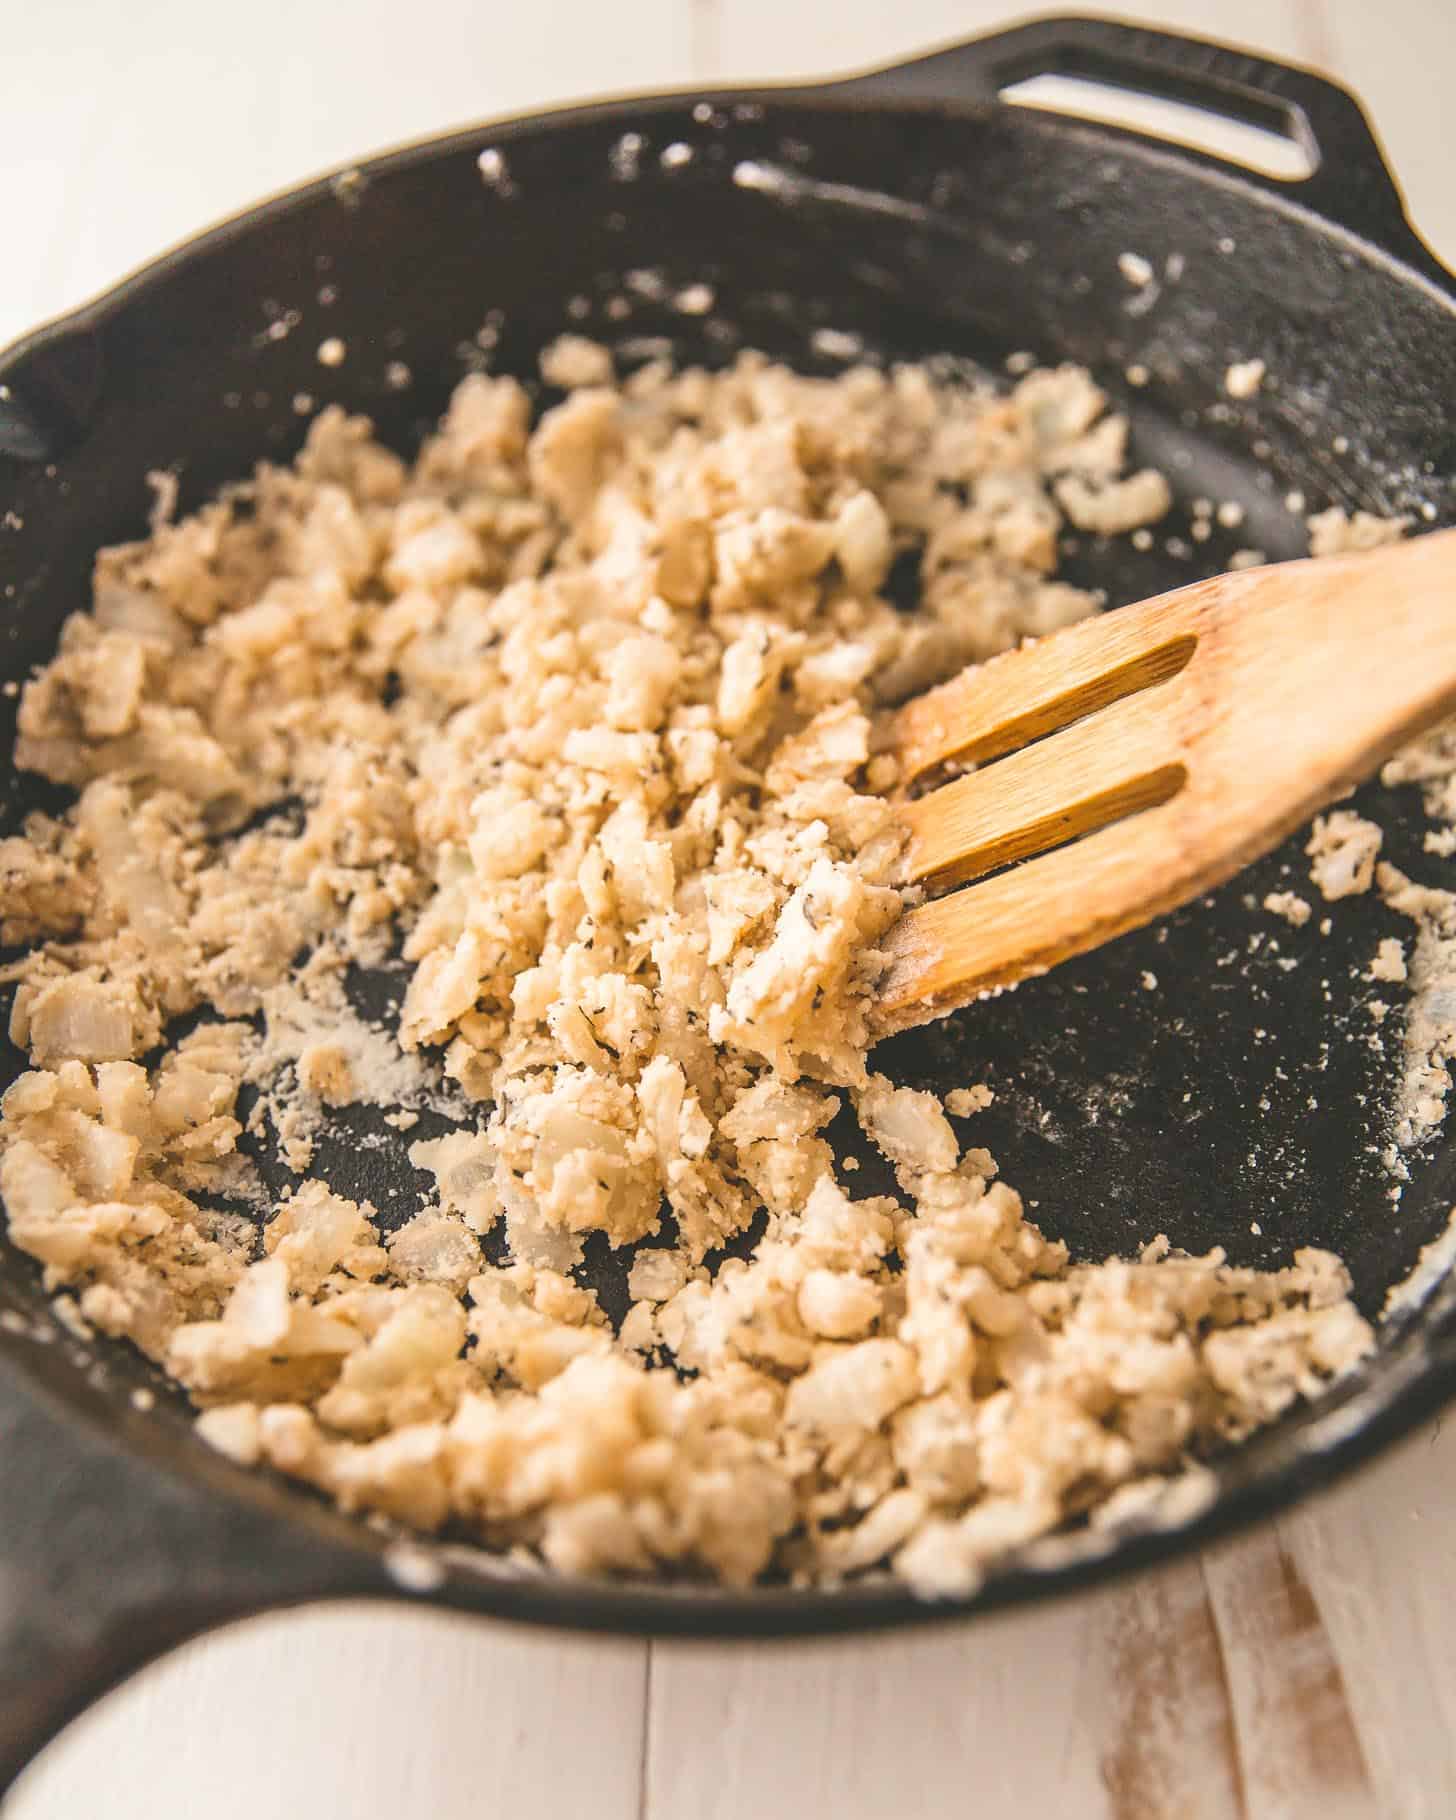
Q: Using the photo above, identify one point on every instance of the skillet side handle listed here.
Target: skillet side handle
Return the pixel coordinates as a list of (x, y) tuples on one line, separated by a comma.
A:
[(107, 1561), (1350, 183)]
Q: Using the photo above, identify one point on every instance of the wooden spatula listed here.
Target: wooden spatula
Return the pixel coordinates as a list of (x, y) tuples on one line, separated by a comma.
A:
[(1145, 756)]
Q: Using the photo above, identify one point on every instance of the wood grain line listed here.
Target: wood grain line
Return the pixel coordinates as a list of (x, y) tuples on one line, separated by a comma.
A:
[(703, 39), (1174, 1753), (1226, 1695), (644, 1761), (1316, 38), (1329, 1725), (1300, 1744)]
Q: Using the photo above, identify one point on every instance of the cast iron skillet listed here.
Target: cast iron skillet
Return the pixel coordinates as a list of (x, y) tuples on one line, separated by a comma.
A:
[(1236, 1102)]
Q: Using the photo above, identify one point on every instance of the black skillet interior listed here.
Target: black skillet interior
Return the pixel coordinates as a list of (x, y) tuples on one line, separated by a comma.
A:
[(1219, 1078)]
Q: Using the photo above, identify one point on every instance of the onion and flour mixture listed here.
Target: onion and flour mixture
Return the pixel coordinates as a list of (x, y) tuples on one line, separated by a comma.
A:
[(579, 721)]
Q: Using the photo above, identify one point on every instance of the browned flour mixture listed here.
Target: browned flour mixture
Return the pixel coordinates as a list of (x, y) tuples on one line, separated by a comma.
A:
[(582, 717)]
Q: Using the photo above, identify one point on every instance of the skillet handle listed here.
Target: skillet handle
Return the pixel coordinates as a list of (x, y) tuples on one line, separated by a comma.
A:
[(108, 1560), (1350, 183)]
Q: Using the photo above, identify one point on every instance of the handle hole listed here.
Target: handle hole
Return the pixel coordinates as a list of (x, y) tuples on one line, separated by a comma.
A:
[(1275, 150)]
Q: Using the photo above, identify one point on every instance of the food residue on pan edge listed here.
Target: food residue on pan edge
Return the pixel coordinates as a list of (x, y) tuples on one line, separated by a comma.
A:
[(581, 716)]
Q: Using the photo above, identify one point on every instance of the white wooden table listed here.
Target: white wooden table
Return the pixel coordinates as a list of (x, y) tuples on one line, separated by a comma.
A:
[(1307, 1670)]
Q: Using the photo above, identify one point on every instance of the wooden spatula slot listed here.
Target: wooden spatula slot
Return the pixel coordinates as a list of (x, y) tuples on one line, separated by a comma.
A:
[(1101, 768), (1025, 695)]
